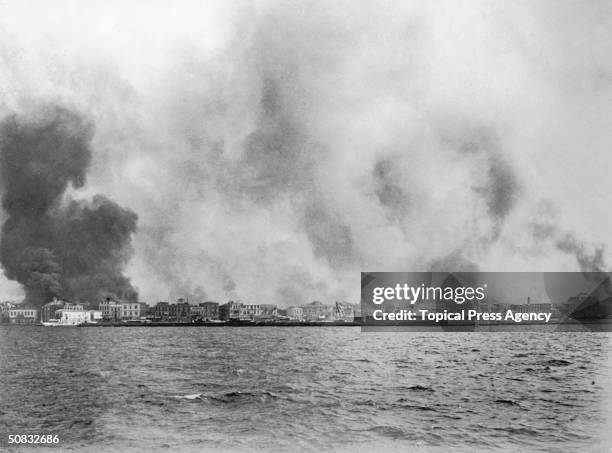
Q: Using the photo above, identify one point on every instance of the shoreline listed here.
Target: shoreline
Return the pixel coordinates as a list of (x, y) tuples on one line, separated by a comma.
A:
[(225, 324), (358, 323)]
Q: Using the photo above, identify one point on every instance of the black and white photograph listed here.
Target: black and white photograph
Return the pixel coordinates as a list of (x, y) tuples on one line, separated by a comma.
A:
[(305, 226)]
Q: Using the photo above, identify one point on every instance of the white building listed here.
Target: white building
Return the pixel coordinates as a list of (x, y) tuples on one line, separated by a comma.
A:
[(119, 311), (295, 313), (250, 311), (130, 311), (69, 317), (111, 310)]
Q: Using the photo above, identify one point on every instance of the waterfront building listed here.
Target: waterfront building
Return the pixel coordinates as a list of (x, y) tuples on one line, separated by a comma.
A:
[(295, 313), (531, 308), (316, 311), (180, 312), (196, 312), (117, 311), (249, 312), (230, 310), (48, 310), (24, 315), (145, 309), (111, 310), (130, 310), (344, 312), (161, 311), (211, 311), (206, 311), (268, 311), (542, 308), (224, 312), (5, 307), (71, 317)]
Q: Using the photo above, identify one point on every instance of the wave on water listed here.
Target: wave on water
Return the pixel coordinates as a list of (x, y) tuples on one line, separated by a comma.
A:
[(231, 397), (558, 362), (508, 402), (421, 388), (194, 396)]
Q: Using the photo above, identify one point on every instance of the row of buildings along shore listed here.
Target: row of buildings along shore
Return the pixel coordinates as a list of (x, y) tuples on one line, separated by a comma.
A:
[(182, 311), (595, 304)]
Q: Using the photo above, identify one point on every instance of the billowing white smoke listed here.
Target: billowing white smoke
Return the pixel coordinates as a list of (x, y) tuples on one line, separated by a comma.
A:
[(274, 150)]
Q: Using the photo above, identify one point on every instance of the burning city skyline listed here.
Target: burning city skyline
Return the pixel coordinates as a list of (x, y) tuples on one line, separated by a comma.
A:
[(271, 151), (53, 246)]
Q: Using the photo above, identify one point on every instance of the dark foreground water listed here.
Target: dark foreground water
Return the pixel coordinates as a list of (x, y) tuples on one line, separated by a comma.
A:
[(305, 389)]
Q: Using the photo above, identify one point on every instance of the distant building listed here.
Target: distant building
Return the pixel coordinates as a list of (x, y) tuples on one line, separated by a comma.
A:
[(230, 310), (5, 307), (196, 312), (49, 310), (145, 309), (180, 312), (344, 311), (250, 312), (161, 311), (208, 311), (224, 312), (72, 317), (118, 311), (541, 308), (24, 315), (316, 311), (130, 310), (268, 312), (295, 313), (531, 308), (111, 310)]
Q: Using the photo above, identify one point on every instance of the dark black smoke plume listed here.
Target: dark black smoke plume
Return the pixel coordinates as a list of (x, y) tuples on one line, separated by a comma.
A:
[(73, 249)]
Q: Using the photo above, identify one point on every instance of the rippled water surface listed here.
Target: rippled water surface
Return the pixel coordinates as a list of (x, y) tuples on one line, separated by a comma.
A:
[(305, 389)]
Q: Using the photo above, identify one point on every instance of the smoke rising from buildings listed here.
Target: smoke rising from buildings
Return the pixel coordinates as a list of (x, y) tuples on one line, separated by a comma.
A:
[(273, 150), (57, 246)]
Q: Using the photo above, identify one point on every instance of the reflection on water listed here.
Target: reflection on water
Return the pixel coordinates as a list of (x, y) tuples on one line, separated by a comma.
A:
[(308, 389)]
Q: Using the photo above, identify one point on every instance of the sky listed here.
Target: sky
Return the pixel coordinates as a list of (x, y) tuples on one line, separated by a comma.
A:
[(273, 150)]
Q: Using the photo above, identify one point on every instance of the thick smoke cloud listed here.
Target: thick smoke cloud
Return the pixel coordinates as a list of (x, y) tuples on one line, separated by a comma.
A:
[(274, 150), (52, 245)]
